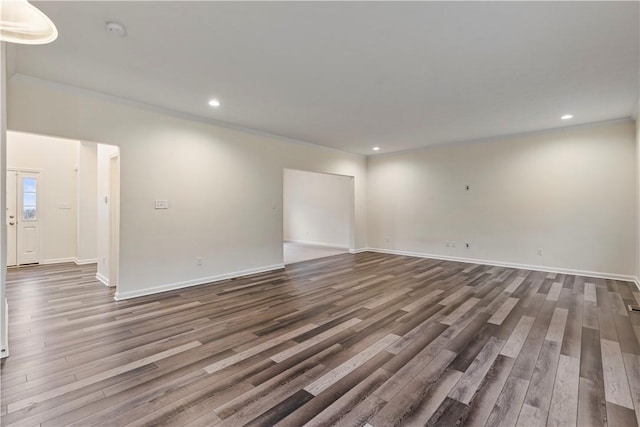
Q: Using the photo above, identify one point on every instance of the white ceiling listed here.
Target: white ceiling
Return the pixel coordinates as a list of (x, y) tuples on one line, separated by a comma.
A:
[(354, 75)]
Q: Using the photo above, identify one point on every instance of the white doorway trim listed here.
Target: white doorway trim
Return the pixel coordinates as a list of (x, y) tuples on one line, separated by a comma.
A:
[(13, 245), (114, 220)]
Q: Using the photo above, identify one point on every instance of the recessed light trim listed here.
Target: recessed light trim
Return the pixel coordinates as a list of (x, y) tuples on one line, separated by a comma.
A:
[(376, 148), (567, 117), (214, 103)]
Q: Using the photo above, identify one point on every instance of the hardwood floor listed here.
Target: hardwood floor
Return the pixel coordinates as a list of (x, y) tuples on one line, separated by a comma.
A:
[(366, 339)]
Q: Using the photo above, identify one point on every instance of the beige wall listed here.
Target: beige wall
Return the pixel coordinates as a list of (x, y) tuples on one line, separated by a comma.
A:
[(317, 208), (569, 192), (86, 245), (224, 186), (57, 160)]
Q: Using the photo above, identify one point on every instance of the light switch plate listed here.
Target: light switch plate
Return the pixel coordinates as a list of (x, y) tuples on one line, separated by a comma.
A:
[(162, 204)]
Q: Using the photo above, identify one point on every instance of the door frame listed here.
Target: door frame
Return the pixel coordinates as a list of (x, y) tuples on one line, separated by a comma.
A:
[(114, 220), (40, 206)]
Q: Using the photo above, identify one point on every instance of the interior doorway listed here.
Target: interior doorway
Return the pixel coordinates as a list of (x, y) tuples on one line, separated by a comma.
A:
[(63, 203), (318, 215), (23, 217)]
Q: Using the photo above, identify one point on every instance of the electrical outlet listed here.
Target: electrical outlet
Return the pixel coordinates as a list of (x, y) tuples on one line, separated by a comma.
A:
[(453, 243), (199, 260), (467, 245), (448, 244), (540, 251), (387, 239)]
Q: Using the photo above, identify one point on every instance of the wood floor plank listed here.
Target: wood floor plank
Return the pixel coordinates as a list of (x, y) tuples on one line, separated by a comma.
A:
[(488, 395), (541, 385), (347, 401), (632, 366), (466, 388), (460, 311), (434, 397), (504, 310), (283, 355), (243, 355), (364, 339), (515, 284), (406, 400), (532, 416), (590, 292), (519, 335), (616, 384), (556, 329), (336, 374), (98, 377), (428, 298), (554, 291), (564, 401)]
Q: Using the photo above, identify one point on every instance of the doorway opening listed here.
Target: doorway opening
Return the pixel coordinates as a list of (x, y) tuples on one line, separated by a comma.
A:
[(318, 215), (62, 203)]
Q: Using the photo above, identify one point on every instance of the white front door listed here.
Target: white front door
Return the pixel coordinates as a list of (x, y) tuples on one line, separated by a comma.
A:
[(23, 217), (12, 214)]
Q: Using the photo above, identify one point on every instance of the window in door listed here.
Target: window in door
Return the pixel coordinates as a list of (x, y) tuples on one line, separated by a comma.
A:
[(29, 199)]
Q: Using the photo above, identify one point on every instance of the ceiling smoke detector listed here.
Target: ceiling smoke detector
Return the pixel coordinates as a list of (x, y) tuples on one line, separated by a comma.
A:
[(116, 29)]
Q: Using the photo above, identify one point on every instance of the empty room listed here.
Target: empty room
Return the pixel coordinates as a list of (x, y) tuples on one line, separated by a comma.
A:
[(319, 213)]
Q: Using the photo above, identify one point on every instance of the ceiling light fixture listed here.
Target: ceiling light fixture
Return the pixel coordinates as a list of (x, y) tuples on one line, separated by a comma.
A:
[(214, 103), (116, 29), (567, 117), (376, 148), (23, 23)]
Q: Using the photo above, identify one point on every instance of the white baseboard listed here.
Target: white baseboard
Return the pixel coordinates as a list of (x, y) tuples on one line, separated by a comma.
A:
[(57, 260), (360, 250), (320, 244), (558, 270), (103, 279), (119, 296), (85, 261)]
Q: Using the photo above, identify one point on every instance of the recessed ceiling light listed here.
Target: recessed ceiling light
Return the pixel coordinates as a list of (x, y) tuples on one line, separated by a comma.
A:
[(21, 22), (376, 148), (115, 29), (567, 117), (214, 103)]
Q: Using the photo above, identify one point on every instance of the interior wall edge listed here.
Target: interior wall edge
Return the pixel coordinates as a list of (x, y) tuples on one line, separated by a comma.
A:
[(119, 296), (594, 274)]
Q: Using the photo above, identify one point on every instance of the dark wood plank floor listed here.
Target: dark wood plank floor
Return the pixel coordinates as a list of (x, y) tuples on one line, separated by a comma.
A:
[(366, 339)]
